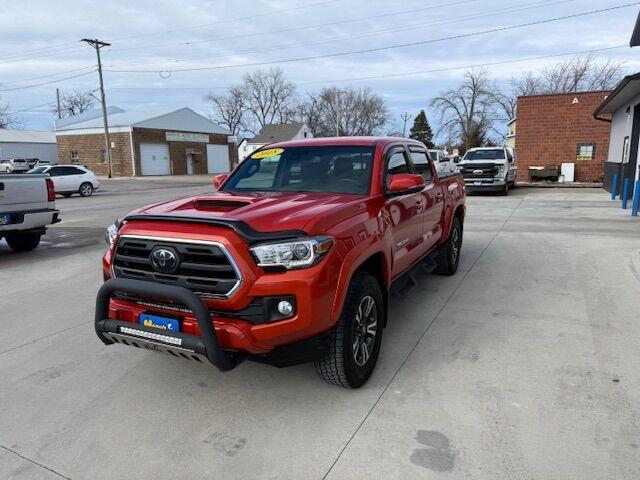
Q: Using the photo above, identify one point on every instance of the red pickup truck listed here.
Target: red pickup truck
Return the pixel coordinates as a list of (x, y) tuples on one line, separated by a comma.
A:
[(292, 260)]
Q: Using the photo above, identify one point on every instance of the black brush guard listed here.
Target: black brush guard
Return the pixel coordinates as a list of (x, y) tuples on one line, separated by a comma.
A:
[(190, 346)]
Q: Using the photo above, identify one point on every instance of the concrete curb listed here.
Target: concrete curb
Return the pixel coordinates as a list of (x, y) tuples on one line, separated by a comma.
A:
[(634, 264), (559, 185)]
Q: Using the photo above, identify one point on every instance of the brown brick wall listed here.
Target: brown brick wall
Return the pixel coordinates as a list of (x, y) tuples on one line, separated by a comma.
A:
[(178, 150), (89, 147), (550, 128)]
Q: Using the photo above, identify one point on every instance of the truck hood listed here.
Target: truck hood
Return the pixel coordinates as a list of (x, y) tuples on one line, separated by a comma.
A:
[(265, 211)]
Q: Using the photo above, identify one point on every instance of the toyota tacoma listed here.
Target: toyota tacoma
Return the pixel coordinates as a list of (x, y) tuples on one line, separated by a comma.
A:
[(291, 260)]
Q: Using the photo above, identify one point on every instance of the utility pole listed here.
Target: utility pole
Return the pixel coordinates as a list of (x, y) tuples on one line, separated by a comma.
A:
[(58, 102), (405, 116), (97, 44)]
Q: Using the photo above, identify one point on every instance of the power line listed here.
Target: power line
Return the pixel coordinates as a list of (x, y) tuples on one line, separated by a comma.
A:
[(49, 47), (232, 20), (388, 47), (46, 76), (295, 29), (46, 83), (42, 55), (32, 108), (544, 3)]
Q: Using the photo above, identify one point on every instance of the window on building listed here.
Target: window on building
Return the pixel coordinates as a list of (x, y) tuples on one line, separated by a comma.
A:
[(103, 155), (586, 151), (625, 150), (74, 155)]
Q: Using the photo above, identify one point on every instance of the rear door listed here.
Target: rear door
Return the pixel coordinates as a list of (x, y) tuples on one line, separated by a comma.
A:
[(61, 181), (404, 213), (22, 192), (433, 197)]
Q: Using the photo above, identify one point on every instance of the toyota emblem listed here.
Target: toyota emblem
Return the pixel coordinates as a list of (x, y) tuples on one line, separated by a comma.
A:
[(164, 259)]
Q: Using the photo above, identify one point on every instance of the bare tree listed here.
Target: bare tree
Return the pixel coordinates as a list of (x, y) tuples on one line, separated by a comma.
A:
[(467, 111), (228, 109), (7, 119), (75, 102), (268, 97)]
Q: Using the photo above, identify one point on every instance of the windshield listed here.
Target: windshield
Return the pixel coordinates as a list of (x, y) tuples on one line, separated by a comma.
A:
[(493, 154), (321, 169), (434, 155), (38, 170)]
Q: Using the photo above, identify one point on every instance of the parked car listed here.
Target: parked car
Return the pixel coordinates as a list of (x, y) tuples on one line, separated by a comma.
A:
[(42, 163), (292, 260), (14, 165), (489, 168), (70, 179), (27, 206), (444, 163)]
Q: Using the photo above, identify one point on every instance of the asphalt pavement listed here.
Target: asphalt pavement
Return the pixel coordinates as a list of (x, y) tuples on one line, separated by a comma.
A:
[(523, 365)]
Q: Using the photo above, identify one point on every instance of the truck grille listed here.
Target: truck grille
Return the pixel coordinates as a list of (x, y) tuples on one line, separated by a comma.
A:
[(206, 268), (479, 171)]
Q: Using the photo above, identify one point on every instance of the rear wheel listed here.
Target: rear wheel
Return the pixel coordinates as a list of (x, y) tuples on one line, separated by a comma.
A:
[(23, 242), (356, 338), (449, 252), (86, 190)]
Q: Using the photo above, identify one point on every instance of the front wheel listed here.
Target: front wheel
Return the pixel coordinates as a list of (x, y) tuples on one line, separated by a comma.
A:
[(86, 190), (356, 338), (23, 242)]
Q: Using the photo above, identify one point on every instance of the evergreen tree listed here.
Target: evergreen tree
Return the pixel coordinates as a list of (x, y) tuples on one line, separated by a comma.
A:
[(421, 130)]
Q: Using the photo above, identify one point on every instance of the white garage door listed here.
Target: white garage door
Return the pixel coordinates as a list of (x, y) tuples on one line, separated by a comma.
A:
[(217, 158), (154, 159)]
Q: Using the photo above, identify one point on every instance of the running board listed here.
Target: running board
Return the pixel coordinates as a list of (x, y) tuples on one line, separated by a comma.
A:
[(403, 285)]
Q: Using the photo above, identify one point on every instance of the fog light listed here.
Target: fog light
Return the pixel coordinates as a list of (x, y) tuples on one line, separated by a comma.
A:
[(285, 308)]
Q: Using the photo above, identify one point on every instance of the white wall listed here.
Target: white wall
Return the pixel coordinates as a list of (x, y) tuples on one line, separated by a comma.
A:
[(42, 151), (621, 124)]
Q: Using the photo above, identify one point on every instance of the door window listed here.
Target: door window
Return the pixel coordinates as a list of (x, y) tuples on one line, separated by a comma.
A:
[(396, 163), (421, 164)]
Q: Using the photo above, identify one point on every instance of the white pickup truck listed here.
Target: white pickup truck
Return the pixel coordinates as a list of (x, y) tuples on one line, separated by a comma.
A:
[(27, 206)]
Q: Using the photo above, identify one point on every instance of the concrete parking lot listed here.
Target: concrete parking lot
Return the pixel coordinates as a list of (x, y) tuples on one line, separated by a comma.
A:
[(524, 365)]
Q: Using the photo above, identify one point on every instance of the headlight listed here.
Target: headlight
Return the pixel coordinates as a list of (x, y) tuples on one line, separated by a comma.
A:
[(299, 253), (500, 169), (111, 234)]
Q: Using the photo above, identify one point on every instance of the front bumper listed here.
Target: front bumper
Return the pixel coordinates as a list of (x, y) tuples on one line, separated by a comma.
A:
[(485, 183), (203, 347)]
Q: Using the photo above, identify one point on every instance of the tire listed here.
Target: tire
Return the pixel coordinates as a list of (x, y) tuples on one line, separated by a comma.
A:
[(23, 242), (449, 252), (86, 189), (341, 367), (505, 191)]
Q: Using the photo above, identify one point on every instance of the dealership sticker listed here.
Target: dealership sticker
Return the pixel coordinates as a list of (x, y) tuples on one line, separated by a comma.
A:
[(271, 152)]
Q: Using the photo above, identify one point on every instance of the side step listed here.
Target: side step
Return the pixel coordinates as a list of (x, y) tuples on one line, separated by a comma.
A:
[(403, 285)]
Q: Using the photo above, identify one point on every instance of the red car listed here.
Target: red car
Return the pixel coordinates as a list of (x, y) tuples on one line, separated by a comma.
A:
[(292, 260)]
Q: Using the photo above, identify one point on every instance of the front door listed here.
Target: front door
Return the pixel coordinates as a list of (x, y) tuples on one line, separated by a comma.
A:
[(189, 163), (404, 213)]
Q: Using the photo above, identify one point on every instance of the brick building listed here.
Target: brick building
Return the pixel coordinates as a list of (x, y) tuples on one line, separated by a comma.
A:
[(150, 142), (560, 128)]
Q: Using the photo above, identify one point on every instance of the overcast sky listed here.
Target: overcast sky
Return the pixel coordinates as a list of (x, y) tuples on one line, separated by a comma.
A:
[(41, 39)]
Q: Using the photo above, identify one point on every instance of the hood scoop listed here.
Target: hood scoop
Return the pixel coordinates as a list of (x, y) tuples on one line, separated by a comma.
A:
[(218, 204)]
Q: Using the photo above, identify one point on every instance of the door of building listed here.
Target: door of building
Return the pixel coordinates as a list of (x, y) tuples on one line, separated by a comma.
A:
[(154, 159), (217, 158)]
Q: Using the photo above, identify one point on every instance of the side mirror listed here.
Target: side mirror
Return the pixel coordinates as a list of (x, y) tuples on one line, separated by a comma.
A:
[(456, 159), (219, 179), (405, 183)]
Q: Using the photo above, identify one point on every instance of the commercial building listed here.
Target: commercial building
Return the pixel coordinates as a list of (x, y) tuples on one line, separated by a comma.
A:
[(147, 142), (559, 128), (621, 110), (272, 133), (27, 144)]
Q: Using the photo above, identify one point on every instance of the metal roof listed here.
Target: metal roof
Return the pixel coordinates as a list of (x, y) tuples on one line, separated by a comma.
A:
[(277, 132), (26, 136), (626, 90), (635, 36), (182, 119)]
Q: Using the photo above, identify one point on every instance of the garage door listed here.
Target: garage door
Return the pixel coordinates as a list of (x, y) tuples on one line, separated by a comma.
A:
[(217, 158), (154, 159)]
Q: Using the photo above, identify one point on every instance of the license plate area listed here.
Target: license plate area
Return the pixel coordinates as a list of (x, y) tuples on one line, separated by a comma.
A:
[(477, 184), (5, 219), (161, 322)]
